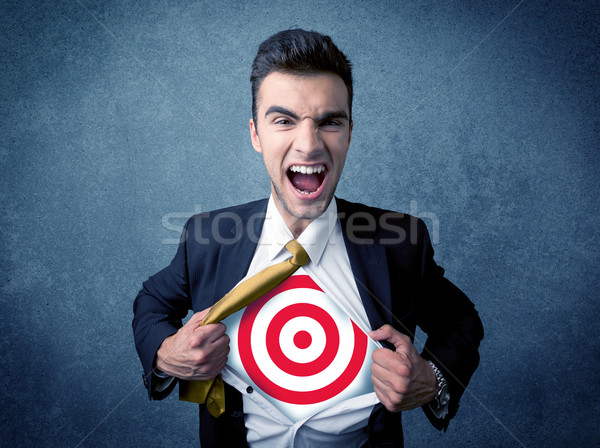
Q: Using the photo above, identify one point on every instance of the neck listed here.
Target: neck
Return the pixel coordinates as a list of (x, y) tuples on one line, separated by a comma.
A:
[(297, 226), (295, 222)]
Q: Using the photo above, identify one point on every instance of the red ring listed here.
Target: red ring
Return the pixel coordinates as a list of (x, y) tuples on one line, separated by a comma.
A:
[(280, 393), (332, 338)]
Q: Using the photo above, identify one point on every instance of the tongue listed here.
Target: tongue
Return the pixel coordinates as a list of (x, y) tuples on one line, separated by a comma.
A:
[(306, 182)]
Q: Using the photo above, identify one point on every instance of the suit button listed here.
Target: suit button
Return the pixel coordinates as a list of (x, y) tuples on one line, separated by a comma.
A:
[(249, 389)]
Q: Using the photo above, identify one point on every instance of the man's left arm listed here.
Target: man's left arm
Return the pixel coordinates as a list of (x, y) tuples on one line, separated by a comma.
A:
[(454, 332), (404, 379)]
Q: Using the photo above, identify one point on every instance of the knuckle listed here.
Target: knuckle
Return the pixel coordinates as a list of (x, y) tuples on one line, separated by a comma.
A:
[(390, 405), (199, 358), (402, 336), (403, 370), (378, 354), (197, 339), (399, 388), (386, 328)]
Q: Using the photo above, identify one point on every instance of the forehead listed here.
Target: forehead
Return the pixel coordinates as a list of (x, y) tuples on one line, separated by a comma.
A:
[(305, 93)]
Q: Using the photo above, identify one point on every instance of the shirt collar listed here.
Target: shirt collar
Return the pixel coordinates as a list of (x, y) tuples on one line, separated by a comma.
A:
[(314, 239)]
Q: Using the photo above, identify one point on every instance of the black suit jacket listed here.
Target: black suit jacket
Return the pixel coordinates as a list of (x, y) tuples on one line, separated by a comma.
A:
[(398, 281)]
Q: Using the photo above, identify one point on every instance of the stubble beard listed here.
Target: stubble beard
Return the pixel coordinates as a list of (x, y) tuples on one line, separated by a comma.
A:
[(313, 212)]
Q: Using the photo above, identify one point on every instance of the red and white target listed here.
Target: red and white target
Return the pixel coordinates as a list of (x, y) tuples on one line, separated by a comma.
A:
[(298, 347)]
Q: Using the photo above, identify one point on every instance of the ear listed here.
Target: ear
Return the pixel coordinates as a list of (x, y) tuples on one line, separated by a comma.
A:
[(254, 136)]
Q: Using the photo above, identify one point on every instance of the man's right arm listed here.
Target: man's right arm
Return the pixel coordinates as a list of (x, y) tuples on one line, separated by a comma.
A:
[(165, 345), (195, 352)]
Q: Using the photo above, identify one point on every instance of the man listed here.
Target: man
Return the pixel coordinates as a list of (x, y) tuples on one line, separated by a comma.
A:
[(384, 270)]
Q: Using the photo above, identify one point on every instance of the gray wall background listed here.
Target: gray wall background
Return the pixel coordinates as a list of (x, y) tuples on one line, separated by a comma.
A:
[(120, 119)]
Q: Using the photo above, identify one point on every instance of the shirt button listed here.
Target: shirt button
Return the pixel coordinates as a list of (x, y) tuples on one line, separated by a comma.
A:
[(249, 389)]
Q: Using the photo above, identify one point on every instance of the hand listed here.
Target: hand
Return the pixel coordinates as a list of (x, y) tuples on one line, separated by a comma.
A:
[(195, 352), (402, 379)]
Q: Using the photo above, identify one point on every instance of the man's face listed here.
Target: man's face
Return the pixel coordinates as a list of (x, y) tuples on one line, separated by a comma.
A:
[(303, 132)]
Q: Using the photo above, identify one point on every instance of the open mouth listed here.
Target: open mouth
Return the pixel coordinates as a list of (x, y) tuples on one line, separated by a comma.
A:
[(307, 179)]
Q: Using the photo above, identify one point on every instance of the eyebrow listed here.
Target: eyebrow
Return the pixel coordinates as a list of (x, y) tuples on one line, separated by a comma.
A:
[(281, 110), (325, 116)]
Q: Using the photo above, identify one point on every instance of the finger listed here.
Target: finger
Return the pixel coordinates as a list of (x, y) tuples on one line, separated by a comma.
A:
[(390, 372), (390, 363), (212, 332), (207, 335), (217, 361), (380, 386), (219, 344), (196, 318), (380, 395), (221, 350), (212, 371), (390, 334), (386, 396), (380, 365)]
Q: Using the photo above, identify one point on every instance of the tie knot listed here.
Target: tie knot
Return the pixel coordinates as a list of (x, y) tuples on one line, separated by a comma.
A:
[(299, 255)]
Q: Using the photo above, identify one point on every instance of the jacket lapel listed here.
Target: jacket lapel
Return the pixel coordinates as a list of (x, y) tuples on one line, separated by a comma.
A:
[(369, 266), (235, 257)]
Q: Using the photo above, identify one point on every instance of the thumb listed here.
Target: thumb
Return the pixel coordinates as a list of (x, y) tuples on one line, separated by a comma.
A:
[(390, 334)]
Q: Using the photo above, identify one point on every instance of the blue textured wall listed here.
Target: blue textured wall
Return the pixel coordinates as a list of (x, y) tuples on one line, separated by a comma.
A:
[(119, 119)]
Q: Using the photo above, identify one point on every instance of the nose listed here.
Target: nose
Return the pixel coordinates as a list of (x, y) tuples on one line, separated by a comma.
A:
[(308, 139)]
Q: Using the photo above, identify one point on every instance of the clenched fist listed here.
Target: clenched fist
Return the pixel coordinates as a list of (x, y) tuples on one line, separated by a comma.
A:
[(402, 379), (195, 352)]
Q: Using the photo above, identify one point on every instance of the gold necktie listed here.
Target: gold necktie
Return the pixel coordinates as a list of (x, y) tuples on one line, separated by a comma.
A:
[(212, 392)]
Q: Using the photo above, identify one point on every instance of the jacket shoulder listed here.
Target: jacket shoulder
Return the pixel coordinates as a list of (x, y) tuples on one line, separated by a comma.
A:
[(223, 224), (387, 227), (241, 209)]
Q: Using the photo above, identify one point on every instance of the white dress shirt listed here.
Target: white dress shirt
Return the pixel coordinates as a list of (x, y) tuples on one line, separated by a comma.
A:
[(344, 424)]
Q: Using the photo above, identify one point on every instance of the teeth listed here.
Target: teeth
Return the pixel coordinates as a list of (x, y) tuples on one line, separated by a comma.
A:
[(307, 169)]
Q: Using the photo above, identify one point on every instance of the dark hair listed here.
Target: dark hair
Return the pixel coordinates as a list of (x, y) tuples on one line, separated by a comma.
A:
[(299, 52)]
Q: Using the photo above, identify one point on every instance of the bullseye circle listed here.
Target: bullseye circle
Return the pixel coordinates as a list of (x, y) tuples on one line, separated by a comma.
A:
[(287, 325), (302, 339), (331, 345), (299, 330)]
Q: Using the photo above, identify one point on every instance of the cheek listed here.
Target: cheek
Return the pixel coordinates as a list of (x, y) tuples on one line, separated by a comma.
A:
[(275, 151), (340, 151), (338, 142), (273, 163)]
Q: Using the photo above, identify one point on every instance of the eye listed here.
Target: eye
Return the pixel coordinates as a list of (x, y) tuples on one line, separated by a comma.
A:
[(283, 121), (331, 123)]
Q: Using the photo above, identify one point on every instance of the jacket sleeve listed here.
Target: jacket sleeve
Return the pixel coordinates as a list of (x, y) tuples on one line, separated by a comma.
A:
[(159, 309), (453, 327)]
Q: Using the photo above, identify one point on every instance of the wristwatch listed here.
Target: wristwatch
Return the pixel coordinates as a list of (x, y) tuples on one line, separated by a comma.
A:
[(442, 397)]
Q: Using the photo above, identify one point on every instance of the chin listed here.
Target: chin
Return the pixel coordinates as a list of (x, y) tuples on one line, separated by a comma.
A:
[(300, 209), (312, 211)]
